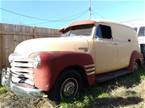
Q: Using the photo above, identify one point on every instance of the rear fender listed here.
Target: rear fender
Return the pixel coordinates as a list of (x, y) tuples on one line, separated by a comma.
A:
[(134, 56)]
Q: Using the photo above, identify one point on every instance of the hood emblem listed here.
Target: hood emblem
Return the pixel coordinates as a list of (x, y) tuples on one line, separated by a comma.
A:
[(85, 49)]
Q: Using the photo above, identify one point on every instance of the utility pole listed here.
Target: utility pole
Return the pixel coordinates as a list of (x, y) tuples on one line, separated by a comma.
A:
[(90, 9)]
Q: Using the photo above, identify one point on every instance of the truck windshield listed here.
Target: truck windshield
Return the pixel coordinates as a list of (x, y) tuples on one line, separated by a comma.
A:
[(83, 30), (141, 31)]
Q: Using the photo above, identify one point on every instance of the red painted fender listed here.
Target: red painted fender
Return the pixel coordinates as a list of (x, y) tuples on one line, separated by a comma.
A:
[(53, 63)]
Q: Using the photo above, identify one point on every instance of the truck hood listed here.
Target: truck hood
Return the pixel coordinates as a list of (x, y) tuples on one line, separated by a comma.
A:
[(51, 44)]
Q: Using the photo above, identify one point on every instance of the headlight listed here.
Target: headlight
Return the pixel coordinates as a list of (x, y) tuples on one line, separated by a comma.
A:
[(10, 58), (37, 61)]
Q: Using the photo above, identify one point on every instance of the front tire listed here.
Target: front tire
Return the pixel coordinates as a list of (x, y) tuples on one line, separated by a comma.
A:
[(68, 86)]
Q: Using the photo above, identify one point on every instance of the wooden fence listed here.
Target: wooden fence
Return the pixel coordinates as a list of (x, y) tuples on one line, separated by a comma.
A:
[(11, 35)]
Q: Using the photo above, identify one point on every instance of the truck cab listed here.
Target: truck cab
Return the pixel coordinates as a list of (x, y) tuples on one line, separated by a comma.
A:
[(88, 51)]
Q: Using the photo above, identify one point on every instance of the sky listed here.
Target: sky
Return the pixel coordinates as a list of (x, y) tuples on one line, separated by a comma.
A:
[(59, 13)]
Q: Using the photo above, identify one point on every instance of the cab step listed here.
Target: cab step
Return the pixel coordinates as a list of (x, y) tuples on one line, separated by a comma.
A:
[(111, 75)]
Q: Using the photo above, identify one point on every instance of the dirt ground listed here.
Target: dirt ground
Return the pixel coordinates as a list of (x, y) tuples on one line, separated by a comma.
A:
[(133, 97), (10, 100), (126, 92)]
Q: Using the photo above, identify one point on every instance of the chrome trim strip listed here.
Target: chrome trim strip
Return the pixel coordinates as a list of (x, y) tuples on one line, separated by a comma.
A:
[(90, 69), (16, 80), (17, 59), (14, 64), (88, 66), (29, 82), (91, 73), (28, 70), (24, 75)]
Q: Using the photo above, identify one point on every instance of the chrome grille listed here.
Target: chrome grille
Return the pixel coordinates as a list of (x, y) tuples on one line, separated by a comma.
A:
[(22, 71)]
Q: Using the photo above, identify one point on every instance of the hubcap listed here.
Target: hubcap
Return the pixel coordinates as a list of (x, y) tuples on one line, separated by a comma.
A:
[(69, 88)]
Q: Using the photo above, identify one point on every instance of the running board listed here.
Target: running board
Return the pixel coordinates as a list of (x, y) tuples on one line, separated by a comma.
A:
[(111, 75)]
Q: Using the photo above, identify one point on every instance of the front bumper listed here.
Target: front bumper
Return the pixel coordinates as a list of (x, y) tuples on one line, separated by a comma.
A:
[(17, 89)]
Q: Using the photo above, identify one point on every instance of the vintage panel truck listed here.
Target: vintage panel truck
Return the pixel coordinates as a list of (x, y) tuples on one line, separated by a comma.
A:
[(89, 51)]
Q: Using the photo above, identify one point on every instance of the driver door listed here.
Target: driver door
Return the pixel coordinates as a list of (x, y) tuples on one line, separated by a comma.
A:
[(105, 49)]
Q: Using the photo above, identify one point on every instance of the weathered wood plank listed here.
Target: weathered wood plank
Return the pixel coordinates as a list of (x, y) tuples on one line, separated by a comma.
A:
[(11, 35)]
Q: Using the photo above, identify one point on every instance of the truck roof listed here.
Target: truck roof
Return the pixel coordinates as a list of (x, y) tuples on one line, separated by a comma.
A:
[(84, 22)]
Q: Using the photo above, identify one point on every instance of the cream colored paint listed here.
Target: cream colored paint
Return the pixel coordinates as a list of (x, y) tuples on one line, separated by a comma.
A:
[(121, 34), (51, 44), (115, 53), (108, 54)]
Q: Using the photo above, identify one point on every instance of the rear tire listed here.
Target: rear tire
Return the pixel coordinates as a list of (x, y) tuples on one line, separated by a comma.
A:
[(67, 87), (135, 66)]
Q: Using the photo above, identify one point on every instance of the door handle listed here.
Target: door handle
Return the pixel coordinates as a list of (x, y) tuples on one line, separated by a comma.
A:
[(129, 40)]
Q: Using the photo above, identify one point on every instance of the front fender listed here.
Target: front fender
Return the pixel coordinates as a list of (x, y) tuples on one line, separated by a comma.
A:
[(53, 63)]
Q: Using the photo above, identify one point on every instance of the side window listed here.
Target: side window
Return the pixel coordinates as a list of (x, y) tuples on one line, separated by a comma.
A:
[(98, 32), (104, 32)]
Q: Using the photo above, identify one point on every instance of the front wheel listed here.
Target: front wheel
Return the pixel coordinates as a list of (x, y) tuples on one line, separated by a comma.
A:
[(68, 86)]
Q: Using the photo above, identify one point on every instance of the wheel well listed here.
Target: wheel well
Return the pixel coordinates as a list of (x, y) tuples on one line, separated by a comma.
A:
[(138, 62), (135, 57), (80, 70)]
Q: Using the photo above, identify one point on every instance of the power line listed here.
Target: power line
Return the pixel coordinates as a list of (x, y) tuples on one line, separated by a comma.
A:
[(98, 14), (19, 14), (75, 18), (65, 19), (36, 18)]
